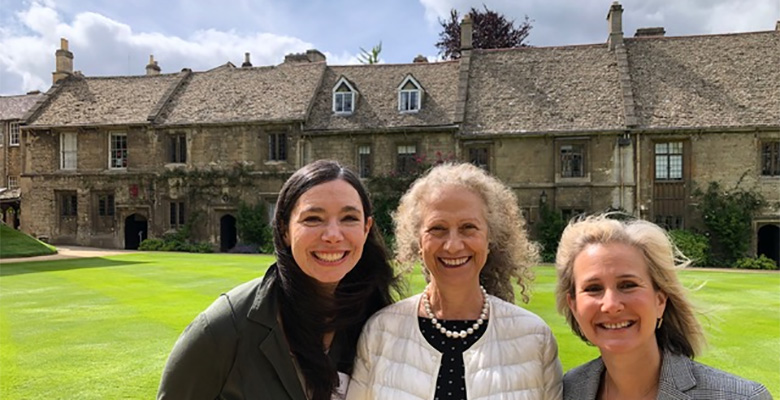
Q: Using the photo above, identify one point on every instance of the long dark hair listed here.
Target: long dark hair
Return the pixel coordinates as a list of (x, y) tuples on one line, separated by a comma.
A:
[(307, 310)]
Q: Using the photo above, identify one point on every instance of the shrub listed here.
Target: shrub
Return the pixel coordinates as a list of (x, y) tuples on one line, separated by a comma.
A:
[(548, 231), (252, 224), (694, 245), (760, 262), (151, 245)]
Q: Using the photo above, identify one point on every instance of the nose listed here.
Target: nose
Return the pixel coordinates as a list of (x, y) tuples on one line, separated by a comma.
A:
[(611, 302), (454, 243), (332, 232)]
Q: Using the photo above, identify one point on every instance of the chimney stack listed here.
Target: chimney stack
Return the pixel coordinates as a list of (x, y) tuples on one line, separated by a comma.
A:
[(466, 33), (152, 68), (615, 25), (645, 32), (247, 63), (777, 25), (315, 55), (420, 59), (63, 61)]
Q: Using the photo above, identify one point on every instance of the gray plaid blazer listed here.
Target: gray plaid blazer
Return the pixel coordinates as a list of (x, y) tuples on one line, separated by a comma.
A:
[(681, 379)]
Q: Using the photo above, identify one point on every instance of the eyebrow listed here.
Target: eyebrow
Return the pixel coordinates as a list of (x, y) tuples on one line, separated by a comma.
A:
[(322, 210), (623, 276)]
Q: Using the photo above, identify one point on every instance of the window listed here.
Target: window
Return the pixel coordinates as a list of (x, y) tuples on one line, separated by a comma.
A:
[(13, 138), (669, 222), (572, 160), (106, 205), (669, 161), (409, 96), (277, 147), (479, 157), (364, 161), (177, 219), (12, 182), (68, 204), (569, 213), (770, 158), (178, 148), (405, 160), (68, 150), (118, 151), (343, 97)]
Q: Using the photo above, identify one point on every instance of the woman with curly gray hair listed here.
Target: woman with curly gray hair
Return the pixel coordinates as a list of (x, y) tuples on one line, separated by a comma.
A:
[(462, 337), (618, 288)]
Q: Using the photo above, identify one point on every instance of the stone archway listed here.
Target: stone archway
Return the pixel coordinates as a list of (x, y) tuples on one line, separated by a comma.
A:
[(136, 230), (227, 232), (769, 242)]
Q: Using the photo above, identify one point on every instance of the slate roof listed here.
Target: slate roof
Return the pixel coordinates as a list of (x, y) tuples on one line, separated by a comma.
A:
[(125, 100), (706, 81), (543, 89), (14, 107), (226, 94), (377, 101)]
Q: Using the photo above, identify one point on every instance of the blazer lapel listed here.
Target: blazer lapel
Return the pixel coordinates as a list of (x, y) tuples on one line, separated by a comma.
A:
[(276, 349), (676, 377)]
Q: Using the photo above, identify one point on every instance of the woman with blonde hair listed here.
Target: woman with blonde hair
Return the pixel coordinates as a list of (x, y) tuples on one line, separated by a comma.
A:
[(618, 289), (462, 338)]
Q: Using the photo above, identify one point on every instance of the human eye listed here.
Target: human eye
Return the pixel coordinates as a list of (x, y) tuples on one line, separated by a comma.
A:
[(592, 288), (351, 218), (311, 219), (469, 227), (628, 285), (436, 230)]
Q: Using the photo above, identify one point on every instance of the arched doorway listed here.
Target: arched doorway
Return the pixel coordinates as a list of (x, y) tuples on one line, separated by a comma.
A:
[(769, 242), (227, 232), (135, 231)]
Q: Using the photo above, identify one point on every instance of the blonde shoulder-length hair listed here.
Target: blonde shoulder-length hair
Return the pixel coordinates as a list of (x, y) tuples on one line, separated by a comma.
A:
[(680, 332), (511, 254)]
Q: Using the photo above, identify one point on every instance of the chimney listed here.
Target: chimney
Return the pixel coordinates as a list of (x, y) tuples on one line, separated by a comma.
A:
[(466, 33), (420, 59), (777, 25), (645, 32), (152, 68), (615, 25), (246, 63), (315, 55), (64, 62)]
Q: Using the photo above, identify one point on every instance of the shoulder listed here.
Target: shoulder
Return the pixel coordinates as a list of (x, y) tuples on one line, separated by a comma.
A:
[(582, 382), (404, 309), (680, 371), (518, 319)]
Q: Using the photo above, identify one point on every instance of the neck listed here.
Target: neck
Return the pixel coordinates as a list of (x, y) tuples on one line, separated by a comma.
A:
[(631, 376), (461, 303)]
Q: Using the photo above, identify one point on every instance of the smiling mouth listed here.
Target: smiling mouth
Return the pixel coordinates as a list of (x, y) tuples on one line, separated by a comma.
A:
[(454, 262), (330, 257), (617, 325)]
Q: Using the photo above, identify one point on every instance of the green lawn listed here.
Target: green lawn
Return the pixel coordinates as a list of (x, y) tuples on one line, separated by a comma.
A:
[(16, 244), (101, 328)]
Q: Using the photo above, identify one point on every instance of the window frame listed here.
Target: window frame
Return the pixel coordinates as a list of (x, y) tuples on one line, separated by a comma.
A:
[(12, 182), (576, 152), (405, 167), (667, 155), (350, 92), (14, 134), (275, 154), (64, 165), (177, 148), (112, 151), (472, 151), (177, 214), (410, 100), (769, 159), (365, 165), (68, 204)]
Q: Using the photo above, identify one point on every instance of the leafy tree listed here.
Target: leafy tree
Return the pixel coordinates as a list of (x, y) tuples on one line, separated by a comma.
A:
[(548, 231), (252, 224), (491, 30), (370, 57)]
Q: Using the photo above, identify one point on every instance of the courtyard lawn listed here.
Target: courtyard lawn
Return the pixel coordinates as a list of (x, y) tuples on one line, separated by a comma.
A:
[(102, 328), (14, 243)]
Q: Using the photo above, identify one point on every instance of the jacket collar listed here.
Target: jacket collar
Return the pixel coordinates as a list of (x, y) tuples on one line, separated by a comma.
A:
[(265, 311)]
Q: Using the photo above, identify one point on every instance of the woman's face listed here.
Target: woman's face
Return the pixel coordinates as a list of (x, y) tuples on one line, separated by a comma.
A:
[(454, 236), (327, 231), (615, 303)]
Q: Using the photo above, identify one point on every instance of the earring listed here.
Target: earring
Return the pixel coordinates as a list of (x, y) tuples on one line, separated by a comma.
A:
[(660, 321)]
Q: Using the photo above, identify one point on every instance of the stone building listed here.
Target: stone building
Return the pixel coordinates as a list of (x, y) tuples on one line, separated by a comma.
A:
[(635, 123), (12, 110)]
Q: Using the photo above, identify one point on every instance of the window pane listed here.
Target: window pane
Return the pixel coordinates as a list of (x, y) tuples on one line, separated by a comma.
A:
[(675, 148), (661, 168), (675, 167), (661, 148)]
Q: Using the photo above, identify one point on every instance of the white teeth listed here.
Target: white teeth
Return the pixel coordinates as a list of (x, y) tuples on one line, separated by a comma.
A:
[(617, 325), (330, 257), (454, 261)]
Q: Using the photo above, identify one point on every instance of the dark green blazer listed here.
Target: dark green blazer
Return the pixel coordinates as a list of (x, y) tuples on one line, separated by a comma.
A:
[(234, 350)]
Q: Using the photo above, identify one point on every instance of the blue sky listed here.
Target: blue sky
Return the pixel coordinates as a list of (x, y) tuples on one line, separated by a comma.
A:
[(116, 37)]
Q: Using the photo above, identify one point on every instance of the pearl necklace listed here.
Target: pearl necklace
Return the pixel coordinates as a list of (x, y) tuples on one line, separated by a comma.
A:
[(449, 333)]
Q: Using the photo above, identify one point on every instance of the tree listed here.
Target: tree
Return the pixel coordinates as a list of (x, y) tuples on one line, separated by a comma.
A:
[(491, 30), (370, 57)]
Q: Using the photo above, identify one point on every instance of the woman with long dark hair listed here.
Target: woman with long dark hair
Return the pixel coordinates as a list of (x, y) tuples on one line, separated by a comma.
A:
[(292, 333)]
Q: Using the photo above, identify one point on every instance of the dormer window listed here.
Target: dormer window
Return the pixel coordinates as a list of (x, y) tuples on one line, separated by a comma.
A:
[(343, 97), (409, 95)]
